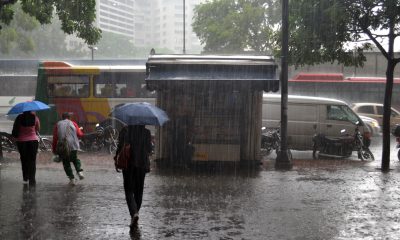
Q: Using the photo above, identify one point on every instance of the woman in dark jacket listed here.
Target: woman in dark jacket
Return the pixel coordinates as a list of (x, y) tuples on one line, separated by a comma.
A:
[(140, 140), (25, 127)]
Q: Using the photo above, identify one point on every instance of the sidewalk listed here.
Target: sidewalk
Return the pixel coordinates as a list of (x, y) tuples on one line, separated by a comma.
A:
[(325, 199)]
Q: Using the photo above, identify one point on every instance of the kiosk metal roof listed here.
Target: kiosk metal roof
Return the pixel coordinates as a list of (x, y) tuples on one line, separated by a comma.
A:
[(259, 72)]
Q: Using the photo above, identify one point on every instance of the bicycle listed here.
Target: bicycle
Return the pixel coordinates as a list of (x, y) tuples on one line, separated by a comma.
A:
[(45, 144)]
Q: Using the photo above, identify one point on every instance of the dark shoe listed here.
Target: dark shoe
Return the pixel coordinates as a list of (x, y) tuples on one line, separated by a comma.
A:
[(134, 220), (32, 183)]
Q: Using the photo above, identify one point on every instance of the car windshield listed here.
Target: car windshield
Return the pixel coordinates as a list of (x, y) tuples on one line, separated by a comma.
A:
[(351, 116), (342, 113)]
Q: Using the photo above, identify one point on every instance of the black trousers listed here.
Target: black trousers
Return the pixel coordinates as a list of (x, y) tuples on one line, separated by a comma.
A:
[(133, 186), (28, 151)]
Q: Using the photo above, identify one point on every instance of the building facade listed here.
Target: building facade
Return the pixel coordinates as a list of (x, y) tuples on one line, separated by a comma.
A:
[(116, 16), (159, 24)]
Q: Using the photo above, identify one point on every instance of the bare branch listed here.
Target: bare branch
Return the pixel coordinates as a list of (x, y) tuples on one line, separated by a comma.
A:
[(377, 44)]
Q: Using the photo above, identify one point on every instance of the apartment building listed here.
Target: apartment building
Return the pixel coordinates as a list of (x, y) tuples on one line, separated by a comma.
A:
[(116, 16), (150, 24), (159, 24)]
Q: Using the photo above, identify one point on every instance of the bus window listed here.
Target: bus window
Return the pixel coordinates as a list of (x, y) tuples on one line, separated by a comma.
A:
[(68, 86), (121, 85)]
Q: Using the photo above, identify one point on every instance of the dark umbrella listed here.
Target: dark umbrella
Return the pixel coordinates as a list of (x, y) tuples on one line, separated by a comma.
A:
[(28, 106), (140, 113)]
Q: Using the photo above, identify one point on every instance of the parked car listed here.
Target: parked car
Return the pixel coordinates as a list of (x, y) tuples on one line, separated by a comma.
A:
[(375, 111), (372, 124), (308, 116)]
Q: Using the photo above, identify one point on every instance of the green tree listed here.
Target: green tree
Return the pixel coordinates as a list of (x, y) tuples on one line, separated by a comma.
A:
[(76, 16), (323, 30), (227, 26), (24, 37)]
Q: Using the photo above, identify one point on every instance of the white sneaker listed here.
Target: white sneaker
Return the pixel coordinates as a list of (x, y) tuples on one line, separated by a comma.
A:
[(80, 174), (72, 182)]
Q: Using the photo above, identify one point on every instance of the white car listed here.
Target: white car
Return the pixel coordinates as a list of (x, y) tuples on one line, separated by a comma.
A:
[(375, 111), (372, 124)]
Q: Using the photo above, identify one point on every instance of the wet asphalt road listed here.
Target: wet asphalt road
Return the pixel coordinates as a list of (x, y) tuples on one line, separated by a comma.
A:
[(318, 199)]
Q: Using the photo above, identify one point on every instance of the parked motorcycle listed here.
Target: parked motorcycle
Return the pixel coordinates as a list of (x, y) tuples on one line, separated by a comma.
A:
[(270, 140), (7, 142), (101, 138), (92, 141), (396, 133), (341, 147)]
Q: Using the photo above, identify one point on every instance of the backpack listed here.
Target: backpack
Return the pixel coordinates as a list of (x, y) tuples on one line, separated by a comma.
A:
[(62, 147)]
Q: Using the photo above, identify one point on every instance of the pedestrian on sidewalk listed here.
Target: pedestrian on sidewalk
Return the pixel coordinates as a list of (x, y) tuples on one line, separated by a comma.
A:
[(139, 139), (68, 130), (24, 131)]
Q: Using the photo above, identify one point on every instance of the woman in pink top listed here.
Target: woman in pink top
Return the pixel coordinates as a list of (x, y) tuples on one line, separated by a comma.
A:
[(24, 131)]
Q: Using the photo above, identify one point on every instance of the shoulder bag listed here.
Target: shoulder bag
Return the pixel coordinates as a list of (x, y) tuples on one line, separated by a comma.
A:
[(122, 159)]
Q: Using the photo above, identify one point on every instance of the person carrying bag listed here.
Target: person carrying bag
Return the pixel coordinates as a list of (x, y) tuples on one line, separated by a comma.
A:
[(132, 157)]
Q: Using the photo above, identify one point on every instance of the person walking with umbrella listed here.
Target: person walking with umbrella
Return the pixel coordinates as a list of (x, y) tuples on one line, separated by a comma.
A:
[(25, 129), (139, 139), (136, 116)]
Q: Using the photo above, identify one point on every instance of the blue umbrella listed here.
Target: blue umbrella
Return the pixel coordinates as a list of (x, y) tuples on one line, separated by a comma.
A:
[(140, 113), (28, 106)]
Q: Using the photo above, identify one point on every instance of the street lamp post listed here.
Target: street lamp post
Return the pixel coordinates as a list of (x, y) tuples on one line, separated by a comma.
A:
[(93, 48), (283, 158), (184, 27)]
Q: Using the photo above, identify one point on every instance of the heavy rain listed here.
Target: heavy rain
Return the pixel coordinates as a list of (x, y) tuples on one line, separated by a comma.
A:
[(267, 119)]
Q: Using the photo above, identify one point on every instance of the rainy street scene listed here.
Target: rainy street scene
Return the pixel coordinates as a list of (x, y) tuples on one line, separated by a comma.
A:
[(196, 119)]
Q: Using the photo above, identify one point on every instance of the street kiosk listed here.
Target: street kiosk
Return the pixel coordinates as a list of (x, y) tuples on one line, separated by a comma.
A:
[(214, 104)]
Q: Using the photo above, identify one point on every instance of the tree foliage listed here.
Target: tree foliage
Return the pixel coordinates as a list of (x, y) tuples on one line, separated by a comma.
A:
[(227, 26), (76, 16), (321, 31), (24, 37)]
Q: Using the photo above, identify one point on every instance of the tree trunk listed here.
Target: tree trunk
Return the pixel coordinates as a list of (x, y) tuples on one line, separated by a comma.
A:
[(386, 115)]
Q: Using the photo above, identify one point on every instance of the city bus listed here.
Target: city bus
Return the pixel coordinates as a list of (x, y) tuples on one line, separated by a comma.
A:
[(349, 89), (89, 89)]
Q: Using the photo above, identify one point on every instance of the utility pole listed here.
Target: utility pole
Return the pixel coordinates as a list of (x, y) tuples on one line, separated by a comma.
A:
[(92, 48), (184, 27), (284, 158)]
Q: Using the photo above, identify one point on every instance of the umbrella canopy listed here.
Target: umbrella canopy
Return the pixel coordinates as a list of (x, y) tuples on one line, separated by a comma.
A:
[(140, 113), (28, 106)]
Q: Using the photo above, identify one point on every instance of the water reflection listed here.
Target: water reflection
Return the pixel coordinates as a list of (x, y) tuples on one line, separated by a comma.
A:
[(29, 218)]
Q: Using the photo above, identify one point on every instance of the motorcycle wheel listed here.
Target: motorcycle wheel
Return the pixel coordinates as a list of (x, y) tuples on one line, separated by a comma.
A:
[(398, 155), (365, 154)]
